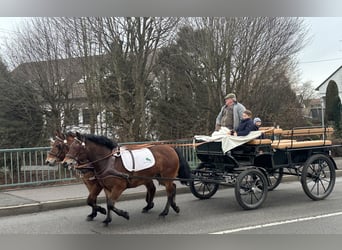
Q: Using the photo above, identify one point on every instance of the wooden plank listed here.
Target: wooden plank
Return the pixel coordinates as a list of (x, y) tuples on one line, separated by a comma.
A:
[(301, 144), (307, 132), (259, 141)]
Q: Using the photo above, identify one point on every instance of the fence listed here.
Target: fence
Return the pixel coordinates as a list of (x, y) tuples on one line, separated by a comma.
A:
[(26, 166)]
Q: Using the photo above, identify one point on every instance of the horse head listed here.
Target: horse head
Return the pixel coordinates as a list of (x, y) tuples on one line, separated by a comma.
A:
[(77, 152), (59, 148)]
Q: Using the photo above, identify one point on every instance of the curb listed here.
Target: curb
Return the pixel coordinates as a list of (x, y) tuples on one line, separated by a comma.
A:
[(73, 202), (81, 201)]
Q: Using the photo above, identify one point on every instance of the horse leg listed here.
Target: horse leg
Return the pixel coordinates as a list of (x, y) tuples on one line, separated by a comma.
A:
[(114, 195), (151, 190), (94, 191), (173, 201), (171, 192)]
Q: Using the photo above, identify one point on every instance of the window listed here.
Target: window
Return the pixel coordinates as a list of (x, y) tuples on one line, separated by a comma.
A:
[(86, 116)]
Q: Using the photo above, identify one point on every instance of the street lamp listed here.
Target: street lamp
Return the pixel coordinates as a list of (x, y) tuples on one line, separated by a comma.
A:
[(322, 111)]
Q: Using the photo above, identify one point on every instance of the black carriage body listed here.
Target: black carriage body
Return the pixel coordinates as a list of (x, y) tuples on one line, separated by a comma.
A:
[(289, 158), (258, 166), (211, 155), (261, 155)]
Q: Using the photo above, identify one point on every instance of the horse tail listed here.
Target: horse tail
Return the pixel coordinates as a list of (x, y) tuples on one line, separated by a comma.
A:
[(184, 171)]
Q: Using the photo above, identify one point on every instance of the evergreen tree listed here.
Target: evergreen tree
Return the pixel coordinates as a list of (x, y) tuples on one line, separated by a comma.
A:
[(20, 115), (333, 105)]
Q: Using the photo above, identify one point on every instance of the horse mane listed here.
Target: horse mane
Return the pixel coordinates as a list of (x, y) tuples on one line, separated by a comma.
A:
[(102, 140)]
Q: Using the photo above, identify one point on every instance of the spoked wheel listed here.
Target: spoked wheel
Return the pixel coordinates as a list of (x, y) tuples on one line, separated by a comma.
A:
[(203, 189), (274, 178), (318, 177), (251, 189)]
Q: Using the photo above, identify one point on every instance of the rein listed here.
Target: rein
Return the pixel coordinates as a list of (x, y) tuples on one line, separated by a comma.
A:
[(88, 164)]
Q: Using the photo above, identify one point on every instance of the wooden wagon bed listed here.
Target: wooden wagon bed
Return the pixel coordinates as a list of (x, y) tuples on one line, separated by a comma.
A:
[(281, 143)]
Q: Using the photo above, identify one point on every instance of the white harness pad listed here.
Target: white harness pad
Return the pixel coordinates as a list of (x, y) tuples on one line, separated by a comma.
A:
[(138, 159)]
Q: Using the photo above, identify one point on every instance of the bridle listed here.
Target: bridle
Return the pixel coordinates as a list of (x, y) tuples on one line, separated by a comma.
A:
[(87, 164), (60, 150)]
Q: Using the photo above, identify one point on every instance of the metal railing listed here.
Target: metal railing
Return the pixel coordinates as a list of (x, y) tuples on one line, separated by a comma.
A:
[(26, 166)]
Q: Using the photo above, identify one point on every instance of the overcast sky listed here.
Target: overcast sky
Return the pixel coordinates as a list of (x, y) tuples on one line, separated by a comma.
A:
[(317, 61)]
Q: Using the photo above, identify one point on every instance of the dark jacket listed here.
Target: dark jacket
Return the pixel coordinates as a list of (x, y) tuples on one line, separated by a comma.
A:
[(256, 128), (245, 127)]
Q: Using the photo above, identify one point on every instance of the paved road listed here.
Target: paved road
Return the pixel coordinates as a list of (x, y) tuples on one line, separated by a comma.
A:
[(287, 210), (13, 202)]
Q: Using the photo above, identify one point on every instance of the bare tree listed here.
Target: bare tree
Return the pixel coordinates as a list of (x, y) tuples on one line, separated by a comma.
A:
[(37, 49), (249, 56), (131, 44)]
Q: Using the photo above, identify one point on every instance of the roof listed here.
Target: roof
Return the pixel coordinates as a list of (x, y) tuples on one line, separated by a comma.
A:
[(328, 78)]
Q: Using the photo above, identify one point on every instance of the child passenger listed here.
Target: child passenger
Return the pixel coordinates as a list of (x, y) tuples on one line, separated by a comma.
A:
[(246, 125), (257, 124)]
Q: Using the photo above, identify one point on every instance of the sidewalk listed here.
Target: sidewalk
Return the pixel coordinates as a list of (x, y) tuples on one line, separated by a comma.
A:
[(38, 199)]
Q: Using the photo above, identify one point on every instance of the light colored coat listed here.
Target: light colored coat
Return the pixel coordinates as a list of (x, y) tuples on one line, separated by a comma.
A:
[(238, 109)]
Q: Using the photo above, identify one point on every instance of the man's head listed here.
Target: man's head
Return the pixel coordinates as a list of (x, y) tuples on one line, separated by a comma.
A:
[(230, 99)]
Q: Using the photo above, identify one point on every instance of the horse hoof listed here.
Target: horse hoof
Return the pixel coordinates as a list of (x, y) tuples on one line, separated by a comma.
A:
[(106, 222), (176, 209), (147, 208), (90, 218), (125, 215), (162, 215)]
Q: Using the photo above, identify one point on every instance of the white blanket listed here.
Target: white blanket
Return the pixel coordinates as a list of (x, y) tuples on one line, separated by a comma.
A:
[(215, 136), (138, 159), (228, 141)]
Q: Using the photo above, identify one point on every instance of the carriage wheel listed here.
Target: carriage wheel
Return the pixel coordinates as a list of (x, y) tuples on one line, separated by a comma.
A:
[(251, 189), (274, 178), (318, 177), (203, 189)]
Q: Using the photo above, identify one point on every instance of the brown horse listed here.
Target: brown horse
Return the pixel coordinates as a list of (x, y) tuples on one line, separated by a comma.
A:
[(169, 163), (59, 148)]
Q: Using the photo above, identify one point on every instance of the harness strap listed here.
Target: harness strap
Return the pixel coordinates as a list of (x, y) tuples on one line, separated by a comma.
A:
[(133, 160)]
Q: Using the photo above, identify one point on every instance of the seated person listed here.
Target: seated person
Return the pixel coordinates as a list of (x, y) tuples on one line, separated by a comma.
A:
[(246, 124), (257, 124)]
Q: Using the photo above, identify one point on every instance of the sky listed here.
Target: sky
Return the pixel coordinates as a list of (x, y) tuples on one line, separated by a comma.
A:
[(316, 62), (323, 54)]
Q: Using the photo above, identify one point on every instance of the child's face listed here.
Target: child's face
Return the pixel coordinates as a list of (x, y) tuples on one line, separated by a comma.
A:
[(258, 124), (245, 116)]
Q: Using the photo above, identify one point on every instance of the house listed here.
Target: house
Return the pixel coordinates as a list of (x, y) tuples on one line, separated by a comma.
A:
[(335, 77), (63, 82), (313, 111)]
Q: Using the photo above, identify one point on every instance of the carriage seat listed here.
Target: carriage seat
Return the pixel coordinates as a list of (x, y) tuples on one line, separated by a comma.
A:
[(283, 144), (259, 142), (271, 130), (307, 132)]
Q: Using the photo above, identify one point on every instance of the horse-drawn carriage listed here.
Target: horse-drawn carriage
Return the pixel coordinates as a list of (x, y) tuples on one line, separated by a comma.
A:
[(253, 167), (258, 166)]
